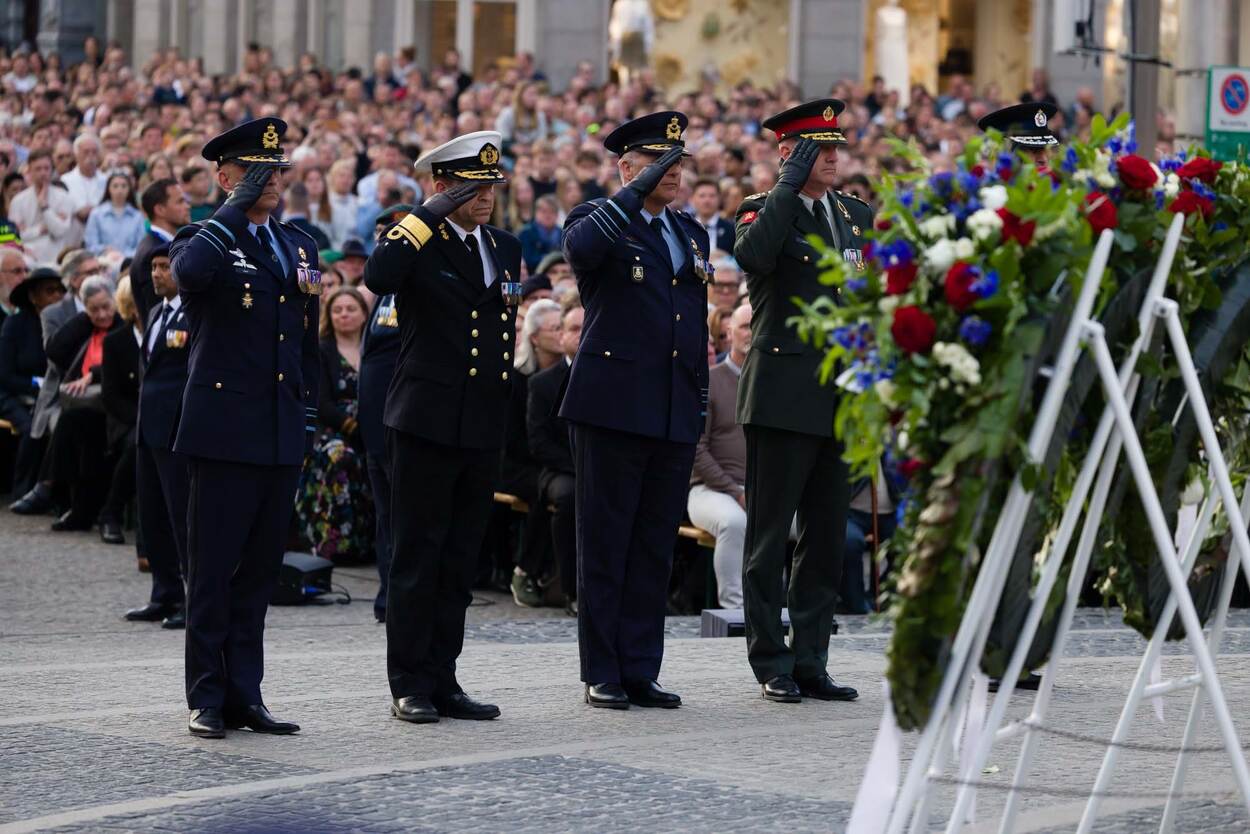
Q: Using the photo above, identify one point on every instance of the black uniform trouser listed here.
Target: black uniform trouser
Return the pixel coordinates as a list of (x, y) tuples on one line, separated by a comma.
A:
[(441, 498), (79, 455), (560, 490), (163, 487), (631, 495), (380, 482), (122, 487), (788, 472), (238, 517)]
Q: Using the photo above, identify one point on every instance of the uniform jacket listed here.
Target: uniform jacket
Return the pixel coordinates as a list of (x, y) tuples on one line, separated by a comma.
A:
[(452, 380), (164, 379), (642, 364), (780, 387), (119, 383), (141, 274), (251, 394), (378, 356)]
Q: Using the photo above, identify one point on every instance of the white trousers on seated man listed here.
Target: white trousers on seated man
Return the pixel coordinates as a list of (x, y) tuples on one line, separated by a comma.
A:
[(721, 515)]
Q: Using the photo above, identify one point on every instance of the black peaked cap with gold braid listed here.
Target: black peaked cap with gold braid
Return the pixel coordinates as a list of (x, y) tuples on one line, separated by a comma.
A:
[(259, 140), (654, 133)]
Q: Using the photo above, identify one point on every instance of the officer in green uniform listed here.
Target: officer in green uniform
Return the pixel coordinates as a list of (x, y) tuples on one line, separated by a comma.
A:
[(794, 462)]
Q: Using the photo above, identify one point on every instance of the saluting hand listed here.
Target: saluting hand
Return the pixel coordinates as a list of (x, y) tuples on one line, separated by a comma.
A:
[(650, 177), (445, 202), (248, 190), (798, 165)]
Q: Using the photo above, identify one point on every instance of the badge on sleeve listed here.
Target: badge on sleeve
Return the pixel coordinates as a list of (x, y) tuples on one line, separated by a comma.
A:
[(749, 217), (638, 274)]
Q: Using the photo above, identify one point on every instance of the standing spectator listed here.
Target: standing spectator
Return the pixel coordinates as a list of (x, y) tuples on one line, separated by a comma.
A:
[(344, 204), (115, 224), (197, 184), (717, 500), (44, 213), (296, 214), (1039, 91), (86, 183), (333, 506), (726, 285), (167, 209), (319, 212), (522, 122), (391, 158), (543, 179), (549, 444), (706, 202), (352, 265), (543, 234), (119, 394)]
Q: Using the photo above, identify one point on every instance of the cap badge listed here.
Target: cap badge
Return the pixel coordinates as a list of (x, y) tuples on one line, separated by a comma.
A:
[(827, 115), (270, 137), (673, 131), (1040, 119), (488, 156)]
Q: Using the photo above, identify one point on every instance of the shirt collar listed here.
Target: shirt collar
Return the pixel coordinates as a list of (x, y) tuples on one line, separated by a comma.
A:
[(252, 227), (174, 303), (648, 216), (161, 233), (477, 231)]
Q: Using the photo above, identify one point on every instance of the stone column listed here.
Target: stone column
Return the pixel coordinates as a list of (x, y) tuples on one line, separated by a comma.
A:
[(147, 38), (219, 36), (1000, 54), (357, 35), (286, 40), (464, 34), (1143, 90), (404, 27), (566, 32), (65, 24), (891, 51), (831, 44), (1204, 40)]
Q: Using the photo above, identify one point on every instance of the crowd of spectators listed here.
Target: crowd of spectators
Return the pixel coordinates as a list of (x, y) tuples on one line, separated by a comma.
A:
[(100, 159)]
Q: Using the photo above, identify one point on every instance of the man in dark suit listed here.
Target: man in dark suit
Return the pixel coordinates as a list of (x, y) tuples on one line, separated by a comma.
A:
[(794, 462), (549, 445), (163, 485), (167, 208), (635, 396), (706, 202), (456, 291), (296, 214), (249, 286)]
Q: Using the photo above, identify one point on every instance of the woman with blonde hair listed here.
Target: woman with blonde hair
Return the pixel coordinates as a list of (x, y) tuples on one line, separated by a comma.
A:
[(344, 203)]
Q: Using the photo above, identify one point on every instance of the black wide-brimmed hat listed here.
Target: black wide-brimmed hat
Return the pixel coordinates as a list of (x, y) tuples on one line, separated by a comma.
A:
[(816, 120), (473, 157), (1025, 124), (19, 297), (259, 140), (654, 133)]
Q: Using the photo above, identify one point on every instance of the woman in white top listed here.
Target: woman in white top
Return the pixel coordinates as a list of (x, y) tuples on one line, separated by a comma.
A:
[(343, 202)]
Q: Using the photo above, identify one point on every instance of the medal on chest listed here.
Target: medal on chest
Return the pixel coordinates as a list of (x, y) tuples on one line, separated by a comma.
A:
[(309, 279), (702, 268)]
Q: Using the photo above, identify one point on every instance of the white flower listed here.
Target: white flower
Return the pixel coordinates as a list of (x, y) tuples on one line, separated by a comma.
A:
[(886, 391), (940, 255), (1193, 493), (1158, 172), (1102, 170), (903, 440), (964, 249), (994, 197), (1171, 186), (943, 384), (887, 304), (1105, 179), (984, 223), (937, 226), (963, 365)]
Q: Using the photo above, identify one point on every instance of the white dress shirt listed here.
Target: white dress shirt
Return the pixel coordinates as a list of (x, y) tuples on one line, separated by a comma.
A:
[(488, 268), (168, 316)]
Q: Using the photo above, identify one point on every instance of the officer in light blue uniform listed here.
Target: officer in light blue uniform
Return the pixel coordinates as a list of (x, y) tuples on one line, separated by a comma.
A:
[(249, 285), (636, 398)]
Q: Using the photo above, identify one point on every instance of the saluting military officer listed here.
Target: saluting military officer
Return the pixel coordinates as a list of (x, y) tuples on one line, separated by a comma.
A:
[(794, 462), (456, 290), (249, 287), (636, 398), (1027, 126)]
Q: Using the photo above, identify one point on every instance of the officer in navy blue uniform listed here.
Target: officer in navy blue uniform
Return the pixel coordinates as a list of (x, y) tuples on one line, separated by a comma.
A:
[(456, 292), (162, 480), (378, 356), (636, 397), (249, 286)]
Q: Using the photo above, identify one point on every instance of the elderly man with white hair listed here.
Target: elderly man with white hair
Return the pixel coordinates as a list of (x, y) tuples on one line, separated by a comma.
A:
[(86, 182)]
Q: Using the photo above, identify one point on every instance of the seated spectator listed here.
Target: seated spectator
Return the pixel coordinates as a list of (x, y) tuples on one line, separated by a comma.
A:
[(725, 287), (79, 449), (119, 394), (718, 497), (116, 223), (334, 505), (296, 213), (550, 446), (718, 327), (853, 597), (541, 236), (197, 184), (559, 275), (22, 360)]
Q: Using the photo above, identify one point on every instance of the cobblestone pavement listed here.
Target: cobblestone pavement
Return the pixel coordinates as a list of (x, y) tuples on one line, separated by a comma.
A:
[(93, 732)]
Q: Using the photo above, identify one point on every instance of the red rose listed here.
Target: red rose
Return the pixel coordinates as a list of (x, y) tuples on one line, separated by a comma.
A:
[(913, 329), (1200, 168), (978, 170), (959, 280), (868, 249), (1100, 212), (1187, 202), (1015, 229), (898, 279), (910, 467), (883, 225), (1136, 172)]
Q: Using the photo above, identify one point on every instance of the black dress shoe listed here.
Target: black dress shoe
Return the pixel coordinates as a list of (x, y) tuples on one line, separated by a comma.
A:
[(111, 533), (176, 620), (781, 689), (153, 612), (1029, 682), (414, 708), (460, 705), (70, 523), (824, 688), (207, 723), (607, 696), (649, 694), (257, 719), (34, 502)]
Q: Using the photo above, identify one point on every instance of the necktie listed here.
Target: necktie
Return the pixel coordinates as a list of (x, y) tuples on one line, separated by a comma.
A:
[(266, 245), (475, 255), (822, 220), (160, 328), (658, 225)]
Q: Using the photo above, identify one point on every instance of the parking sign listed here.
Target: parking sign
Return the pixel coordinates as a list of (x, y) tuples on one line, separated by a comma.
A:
[(1228, 111)]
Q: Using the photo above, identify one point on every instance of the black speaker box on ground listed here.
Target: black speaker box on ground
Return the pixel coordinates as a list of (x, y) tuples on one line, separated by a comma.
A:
[(301, 578)]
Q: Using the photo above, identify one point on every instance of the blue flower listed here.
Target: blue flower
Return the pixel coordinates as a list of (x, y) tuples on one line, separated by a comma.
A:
[(1219, 226), (864, 379), (968, 182), (942, 182), (895, 253), (1158, 200), (1070, 161), (856, 284), (1202, 190), (986, 284), (975, 331), (1006, 160), (907, 198), (900, 512), (843, 337), (1115, 144)]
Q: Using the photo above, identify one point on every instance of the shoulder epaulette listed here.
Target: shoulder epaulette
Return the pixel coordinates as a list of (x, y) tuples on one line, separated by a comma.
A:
[(853, 197), (757, 196), (286, 225)]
